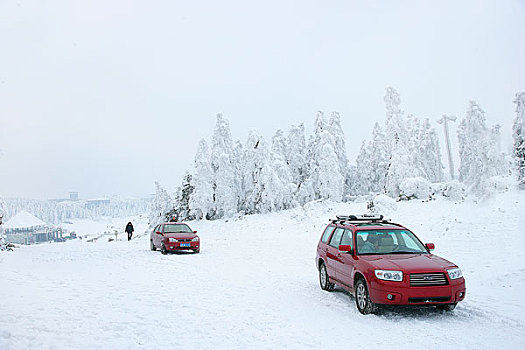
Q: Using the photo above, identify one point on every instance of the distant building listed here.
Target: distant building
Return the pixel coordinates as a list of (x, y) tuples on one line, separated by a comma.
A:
[(73, 197), (99, 202)]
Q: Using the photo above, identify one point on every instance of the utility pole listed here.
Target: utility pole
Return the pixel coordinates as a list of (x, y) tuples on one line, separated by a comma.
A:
[(444, 120)]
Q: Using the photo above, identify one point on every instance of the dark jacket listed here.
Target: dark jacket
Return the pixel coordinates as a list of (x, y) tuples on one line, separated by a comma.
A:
[(129, 227)]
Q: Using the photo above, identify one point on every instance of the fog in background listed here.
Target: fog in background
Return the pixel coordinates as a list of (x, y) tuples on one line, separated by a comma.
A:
[(105, 97)]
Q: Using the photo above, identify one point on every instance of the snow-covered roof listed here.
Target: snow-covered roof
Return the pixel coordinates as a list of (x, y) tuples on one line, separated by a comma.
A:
[(24, 220)]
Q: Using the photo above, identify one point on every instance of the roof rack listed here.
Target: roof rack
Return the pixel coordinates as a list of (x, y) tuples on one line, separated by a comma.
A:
[(361, 219)]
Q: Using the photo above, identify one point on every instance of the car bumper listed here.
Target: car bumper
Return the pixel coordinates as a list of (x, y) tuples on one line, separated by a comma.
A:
[(391, 293), (176, 246)]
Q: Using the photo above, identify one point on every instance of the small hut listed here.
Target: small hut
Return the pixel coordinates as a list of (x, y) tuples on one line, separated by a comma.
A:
[(25, 228)]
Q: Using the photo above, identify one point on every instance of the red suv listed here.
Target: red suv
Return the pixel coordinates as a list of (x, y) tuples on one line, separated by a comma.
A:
[(174, 236), (384, 263)]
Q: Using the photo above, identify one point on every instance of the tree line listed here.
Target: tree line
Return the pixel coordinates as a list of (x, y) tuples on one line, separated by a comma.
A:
[(402, 160)]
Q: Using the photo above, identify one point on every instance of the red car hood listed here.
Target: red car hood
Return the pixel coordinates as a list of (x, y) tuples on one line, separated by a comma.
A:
[(408, 263), (180, 235)]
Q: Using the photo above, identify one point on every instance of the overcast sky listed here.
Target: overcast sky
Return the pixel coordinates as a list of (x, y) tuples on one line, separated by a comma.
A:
[(105, 97)]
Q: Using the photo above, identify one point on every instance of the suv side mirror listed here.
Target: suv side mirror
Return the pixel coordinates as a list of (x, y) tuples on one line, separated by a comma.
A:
[(345, 248), (159, 233), (430, 246), (194, 231)]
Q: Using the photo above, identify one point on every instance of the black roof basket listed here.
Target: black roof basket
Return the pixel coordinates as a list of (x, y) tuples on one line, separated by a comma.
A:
[(361, 219)]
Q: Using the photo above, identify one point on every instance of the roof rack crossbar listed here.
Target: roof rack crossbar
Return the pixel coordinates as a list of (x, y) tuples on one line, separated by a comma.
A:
[(360, 219)]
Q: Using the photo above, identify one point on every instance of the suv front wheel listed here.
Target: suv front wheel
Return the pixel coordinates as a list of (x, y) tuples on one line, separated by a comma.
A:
[(324, 280), (362, 298)]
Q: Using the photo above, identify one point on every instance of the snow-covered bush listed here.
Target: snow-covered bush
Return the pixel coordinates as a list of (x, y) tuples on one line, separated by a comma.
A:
[(499, 184), (383, 204), (453, 190), (415, 188)]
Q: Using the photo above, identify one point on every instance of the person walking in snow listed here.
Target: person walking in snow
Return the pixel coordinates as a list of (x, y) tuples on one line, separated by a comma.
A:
[(129, 230)]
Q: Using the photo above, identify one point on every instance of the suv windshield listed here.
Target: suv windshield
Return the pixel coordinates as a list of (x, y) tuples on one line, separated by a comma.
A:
[(388, 242), (177, 228)]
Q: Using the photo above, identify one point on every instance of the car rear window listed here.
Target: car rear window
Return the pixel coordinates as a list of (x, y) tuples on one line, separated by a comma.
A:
[(327, 232), (177, 228)]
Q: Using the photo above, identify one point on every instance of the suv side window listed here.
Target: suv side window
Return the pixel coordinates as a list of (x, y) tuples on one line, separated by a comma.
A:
[(347, 239), (327, 234), (336, 237)]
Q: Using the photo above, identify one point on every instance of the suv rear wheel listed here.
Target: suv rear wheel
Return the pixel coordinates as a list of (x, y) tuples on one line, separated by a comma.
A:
[(151, 245), (324, 280), (362, 298)]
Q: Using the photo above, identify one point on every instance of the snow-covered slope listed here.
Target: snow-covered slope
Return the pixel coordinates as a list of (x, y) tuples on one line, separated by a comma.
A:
[(255, 286)]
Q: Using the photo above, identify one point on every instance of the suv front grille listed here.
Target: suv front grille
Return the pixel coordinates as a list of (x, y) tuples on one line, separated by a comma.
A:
[(428, 279)]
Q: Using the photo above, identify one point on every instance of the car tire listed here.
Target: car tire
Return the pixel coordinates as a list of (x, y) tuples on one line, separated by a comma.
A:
[(163, 249), (152, 246), (324, 280), (197, 251), (362, 298), (446, 307)]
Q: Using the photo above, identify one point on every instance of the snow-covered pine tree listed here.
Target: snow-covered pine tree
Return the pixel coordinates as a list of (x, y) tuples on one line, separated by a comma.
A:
[(297, 158), (340, 148), (201, 201), (379, 159), (176, 212), (324, 169), (222, 163), (518, 133), (327, 177), (429, 153), (162, 204), (280, 167), (239, 184), (400, 165), (185, 198), (479, 156), (254, 160), (363, 179), (265, 192)]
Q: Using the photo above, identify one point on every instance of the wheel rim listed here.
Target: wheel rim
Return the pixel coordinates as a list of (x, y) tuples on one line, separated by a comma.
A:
[(323, 276), (361, 296)]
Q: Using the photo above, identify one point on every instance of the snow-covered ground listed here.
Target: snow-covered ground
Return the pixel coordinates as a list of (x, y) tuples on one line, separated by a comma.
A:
[(255, 286)]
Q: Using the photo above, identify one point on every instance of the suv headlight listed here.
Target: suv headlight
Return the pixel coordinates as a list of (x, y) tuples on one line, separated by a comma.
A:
[(173, 240), (388, 275), (454, 274), (196, 239)]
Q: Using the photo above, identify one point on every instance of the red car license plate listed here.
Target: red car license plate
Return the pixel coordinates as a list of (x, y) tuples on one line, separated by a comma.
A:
[(184, 244)]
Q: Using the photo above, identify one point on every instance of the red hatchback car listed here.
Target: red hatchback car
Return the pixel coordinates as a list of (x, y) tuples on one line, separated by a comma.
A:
[(173, 237), (384, 263)]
